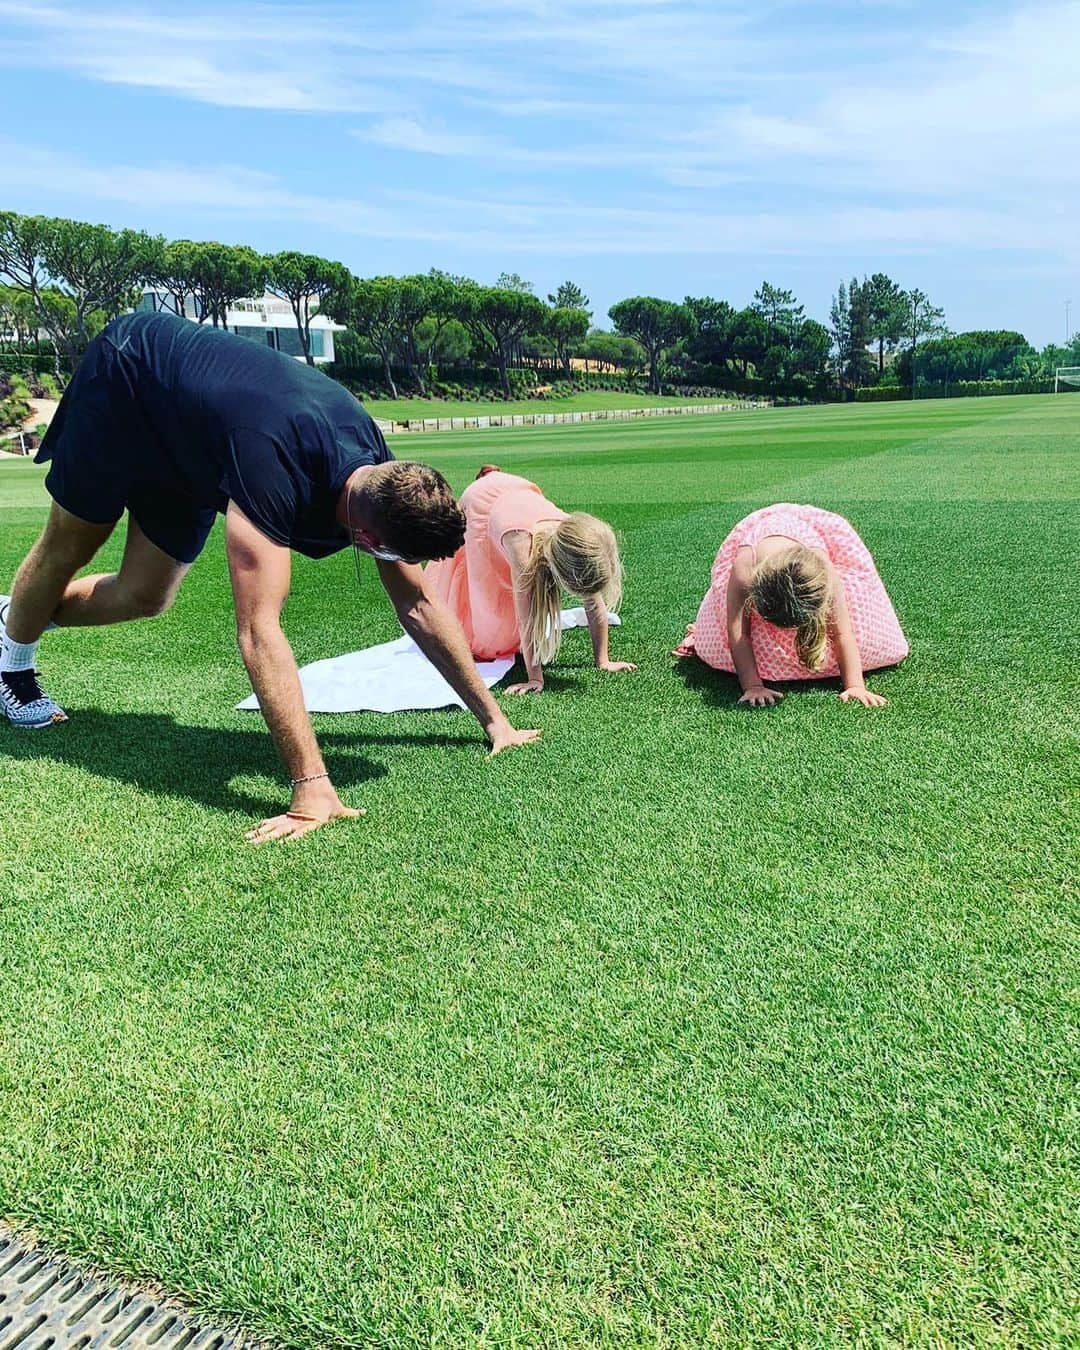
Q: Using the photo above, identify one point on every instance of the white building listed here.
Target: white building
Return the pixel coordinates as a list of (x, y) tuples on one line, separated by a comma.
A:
[(269, 320)]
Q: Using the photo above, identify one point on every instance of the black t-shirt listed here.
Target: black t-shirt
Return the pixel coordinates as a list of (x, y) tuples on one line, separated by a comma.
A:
[(231, 420)]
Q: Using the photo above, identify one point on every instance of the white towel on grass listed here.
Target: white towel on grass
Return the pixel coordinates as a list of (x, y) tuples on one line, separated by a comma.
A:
[(393, 677)]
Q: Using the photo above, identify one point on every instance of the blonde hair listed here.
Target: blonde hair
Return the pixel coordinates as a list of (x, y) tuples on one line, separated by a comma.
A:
[(579, 554), (791, 589)]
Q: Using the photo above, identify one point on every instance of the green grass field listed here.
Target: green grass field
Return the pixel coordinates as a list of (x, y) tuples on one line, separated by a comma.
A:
[(691, 1026), (400, 410)]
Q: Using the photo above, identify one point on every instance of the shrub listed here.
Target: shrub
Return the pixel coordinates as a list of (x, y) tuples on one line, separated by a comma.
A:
[(881, 393), (960, 389), (14, 409)]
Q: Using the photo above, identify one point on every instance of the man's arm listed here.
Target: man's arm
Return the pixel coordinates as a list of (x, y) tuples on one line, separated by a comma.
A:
[(261, 571), (438, 634)]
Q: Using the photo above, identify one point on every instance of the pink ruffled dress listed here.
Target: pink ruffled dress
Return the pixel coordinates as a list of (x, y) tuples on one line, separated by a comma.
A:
[(476, 582), (878, 633)]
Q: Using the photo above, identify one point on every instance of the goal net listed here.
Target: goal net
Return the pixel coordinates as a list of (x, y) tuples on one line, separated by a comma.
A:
[(1066, 378)]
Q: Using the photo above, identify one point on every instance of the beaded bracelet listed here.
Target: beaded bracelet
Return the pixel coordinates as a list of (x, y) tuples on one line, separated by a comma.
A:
[(311, 778)]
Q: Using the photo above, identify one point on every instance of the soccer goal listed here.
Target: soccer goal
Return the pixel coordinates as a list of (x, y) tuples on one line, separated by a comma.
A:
[(1066, 378)]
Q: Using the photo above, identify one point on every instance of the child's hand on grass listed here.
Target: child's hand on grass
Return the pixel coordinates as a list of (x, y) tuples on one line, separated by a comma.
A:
[(860, 694), (760, 697), (615, 666), (526, 687)]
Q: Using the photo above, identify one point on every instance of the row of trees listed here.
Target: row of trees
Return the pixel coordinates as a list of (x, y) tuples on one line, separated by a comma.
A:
[(67, 278), (409, 321), (877, 315), (884, 335), (701, 341)]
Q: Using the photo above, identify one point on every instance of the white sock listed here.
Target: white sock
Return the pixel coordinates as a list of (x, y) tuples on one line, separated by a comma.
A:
[(17, 655)]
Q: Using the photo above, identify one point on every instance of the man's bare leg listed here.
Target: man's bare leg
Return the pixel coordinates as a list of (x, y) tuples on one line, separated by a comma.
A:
[(66, 544), (145, 585), (44, 591)]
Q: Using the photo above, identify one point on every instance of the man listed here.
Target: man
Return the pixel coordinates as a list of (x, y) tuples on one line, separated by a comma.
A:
[(175, 422)]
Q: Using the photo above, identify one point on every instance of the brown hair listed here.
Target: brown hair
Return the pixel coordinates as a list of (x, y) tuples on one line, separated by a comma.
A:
[(791, 589), (415, 510), (579, 554)]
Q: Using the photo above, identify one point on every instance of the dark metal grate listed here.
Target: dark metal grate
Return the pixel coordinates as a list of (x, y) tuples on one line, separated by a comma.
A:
[(47, 1303)]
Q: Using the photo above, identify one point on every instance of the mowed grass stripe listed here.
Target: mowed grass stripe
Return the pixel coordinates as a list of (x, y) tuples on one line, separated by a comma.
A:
[(694, 1026)]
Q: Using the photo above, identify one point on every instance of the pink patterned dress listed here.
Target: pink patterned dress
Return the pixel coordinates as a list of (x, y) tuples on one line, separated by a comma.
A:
[(877, 630), (476, 582)]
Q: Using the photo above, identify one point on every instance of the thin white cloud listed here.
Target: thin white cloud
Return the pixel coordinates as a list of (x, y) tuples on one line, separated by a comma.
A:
[(992, 108), (411, 135), (658, 126), (346, 57), (501, 226), (407, 133)]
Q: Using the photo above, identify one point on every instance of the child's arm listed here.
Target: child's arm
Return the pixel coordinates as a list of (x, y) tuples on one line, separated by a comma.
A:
[(842, 636), (738, 628), (596, 613), (516, 546)]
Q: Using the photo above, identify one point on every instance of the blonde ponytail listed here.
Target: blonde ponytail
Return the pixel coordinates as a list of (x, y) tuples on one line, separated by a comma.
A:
[(811, 639), (542, 591), (579, 554), (790, 589)]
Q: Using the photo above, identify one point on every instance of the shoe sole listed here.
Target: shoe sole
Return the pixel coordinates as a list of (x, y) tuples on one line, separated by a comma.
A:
[(53, 721)]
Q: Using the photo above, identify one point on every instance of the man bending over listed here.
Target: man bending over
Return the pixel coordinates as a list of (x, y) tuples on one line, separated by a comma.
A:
[(175, 422)]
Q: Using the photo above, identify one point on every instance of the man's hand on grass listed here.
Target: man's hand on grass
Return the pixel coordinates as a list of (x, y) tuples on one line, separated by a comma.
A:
[(313, 804), (505, 737)]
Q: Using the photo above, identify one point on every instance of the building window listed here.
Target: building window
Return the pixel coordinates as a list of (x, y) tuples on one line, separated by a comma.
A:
[(255, 333), (288, 341)]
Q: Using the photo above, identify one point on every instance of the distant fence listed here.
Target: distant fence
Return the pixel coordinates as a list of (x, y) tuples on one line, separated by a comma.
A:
[(564, 418), (18, 443)]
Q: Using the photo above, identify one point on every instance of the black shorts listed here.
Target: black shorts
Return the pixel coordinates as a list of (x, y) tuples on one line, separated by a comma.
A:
[(103, 459)]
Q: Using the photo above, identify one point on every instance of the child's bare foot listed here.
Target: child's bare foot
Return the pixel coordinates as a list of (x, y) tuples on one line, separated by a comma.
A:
[(686, 646)]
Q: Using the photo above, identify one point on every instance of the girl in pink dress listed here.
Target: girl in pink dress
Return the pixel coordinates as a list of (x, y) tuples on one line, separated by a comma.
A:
[(795, 595), (520, 553)]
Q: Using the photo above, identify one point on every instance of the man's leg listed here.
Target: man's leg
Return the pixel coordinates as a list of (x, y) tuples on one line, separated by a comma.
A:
[(66, 544), (145, 585)]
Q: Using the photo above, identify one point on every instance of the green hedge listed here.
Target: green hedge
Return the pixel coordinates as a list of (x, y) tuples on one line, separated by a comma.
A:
[(32, 363), (985, 388), (884, 393), (881, 393)]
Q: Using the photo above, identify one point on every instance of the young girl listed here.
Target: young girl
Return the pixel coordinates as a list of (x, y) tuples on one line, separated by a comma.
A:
[(520, 553), (795, 595)]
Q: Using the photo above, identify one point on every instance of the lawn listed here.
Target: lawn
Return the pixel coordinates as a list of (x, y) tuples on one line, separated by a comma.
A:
[(401, 409), (691, 1026)]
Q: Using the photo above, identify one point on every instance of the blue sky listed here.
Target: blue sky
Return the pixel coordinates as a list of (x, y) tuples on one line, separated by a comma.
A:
[(665, 147)]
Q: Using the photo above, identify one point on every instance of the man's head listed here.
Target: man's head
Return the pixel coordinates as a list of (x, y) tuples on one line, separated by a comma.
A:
[(406, 510)]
